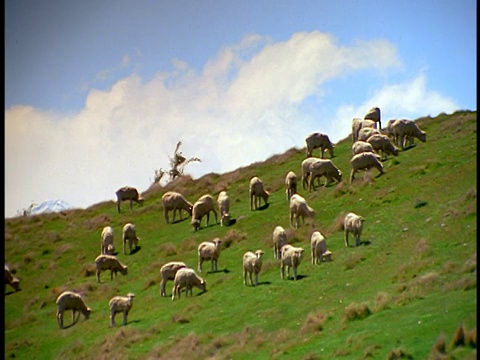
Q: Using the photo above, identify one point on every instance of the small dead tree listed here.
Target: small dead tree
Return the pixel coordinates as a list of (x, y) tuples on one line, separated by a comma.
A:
[(177, 165)]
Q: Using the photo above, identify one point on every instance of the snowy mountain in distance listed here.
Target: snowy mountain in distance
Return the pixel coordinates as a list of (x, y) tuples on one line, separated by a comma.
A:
[(50, 206)]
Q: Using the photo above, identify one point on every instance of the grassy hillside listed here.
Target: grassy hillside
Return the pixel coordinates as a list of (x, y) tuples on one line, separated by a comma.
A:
[(403, 293)]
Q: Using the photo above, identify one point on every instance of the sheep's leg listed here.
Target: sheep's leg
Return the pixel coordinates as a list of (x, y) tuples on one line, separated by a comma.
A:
[(60, 319), (125, 313), (352, 176), (294, 273), (282, 271), (162, 288), (346, 238), (200, 261), (112, 318), (312, 254), (98, 276), (130, 245), (256, 279), (131, 204)]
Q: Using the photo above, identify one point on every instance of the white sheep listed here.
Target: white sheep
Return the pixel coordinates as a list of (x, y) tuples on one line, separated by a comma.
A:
[(209, 251), (128, 193), (403, 129), (257, 191), (374, 114), (381, 143), (318, 140), (353, 223), (175, 201), (167, 272), (223, 202), (305, 168), (129, 233), (252, 264), (120, 304), (365, 133), (202, 207), (109, 262), (298, 209), (11, 280), (318, 247), (279, 237), (365, 161), (358, 124), (291, 258), (290, 184), (323, 167), (106, 239), (187, 278), (69, 300), (359, 147)]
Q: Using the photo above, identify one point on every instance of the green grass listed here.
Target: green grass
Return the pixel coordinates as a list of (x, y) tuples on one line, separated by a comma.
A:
[(413, 281)]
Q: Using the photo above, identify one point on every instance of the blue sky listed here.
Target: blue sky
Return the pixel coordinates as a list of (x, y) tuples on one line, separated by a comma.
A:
[(97, 93)]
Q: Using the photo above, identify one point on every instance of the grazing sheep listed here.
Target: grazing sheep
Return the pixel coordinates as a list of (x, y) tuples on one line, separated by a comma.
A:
[(187, 278), (120, 304), (323, 167), (106, 239), (129, 234), (172, 200), (128, 193), (358, 124), (291, 258), (318, 247), (279, 239), (290, 184), (209, 251), (403, 129), (202, 207), (365, 133), (365, 161), (69, 300), (353, 223), (223, 202), (374, 115), (252, 264), (359, 147), (11, 280), (257, 191), (306, 164), (109, 262), (318, 140), (299, 208), (383, 144), (168, 272)]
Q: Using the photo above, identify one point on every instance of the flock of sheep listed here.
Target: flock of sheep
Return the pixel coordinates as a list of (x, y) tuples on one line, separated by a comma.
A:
[(368, 142)]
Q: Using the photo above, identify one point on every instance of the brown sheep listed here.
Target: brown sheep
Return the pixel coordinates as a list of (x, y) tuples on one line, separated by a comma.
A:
[(257, 191), (69, 300), (128, 193), (168, 272), (202, 207), (129, 233), (172, 200), (318, 140)]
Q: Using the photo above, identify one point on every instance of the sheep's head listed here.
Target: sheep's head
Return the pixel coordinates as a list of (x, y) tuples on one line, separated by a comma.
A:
[(422, 136), (124, 270), (87, 313), (203, 285), (259, 254), (15, 284), (110, 249), (226, 219), (196, 224), (140, 201)]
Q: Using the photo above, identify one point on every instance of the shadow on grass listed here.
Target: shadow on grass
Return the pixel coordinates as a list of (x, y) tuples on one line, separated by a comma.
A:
[(178, 221), (225, 271), (263, 207), (135, 250)]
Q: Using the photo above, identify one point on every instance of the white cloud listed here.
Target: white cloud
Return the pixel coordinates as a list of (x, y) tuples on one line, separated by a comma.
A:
[(245, 105)]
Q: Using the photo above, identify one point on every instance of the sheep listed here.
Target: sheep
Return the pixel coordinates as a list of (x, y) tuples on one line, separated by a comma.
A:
[(187, 278), (290, 184), (128, 193), (318, 246), (129, 233), (252, 264), (109, 262), (323, 167), (359, 147), (202, 207), (257, 191), (168, 272), (374, 115), (172, 200), (382, 143), (11, 279), (299, 208), (407, 128), (209, 251), (279, 239), (120, 304), (291, 258), (358, 124), (365, 133), (353, 223), (305, 168), (365, 161), (106, 240), (223, 202), (318, 140), (69, 300)]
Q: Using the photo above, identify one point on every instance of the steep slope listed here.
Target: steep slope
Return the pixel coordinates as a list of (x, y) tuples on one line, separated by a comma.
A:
[(412, 281)]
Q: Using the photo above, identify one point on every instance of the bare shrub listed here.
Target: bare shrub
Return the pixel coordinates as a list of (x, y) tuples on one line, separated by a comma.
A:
[(313, 323), (398, 353), (382, 301), (169, 249), (97, 223), (233, 236), (353, 260)]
